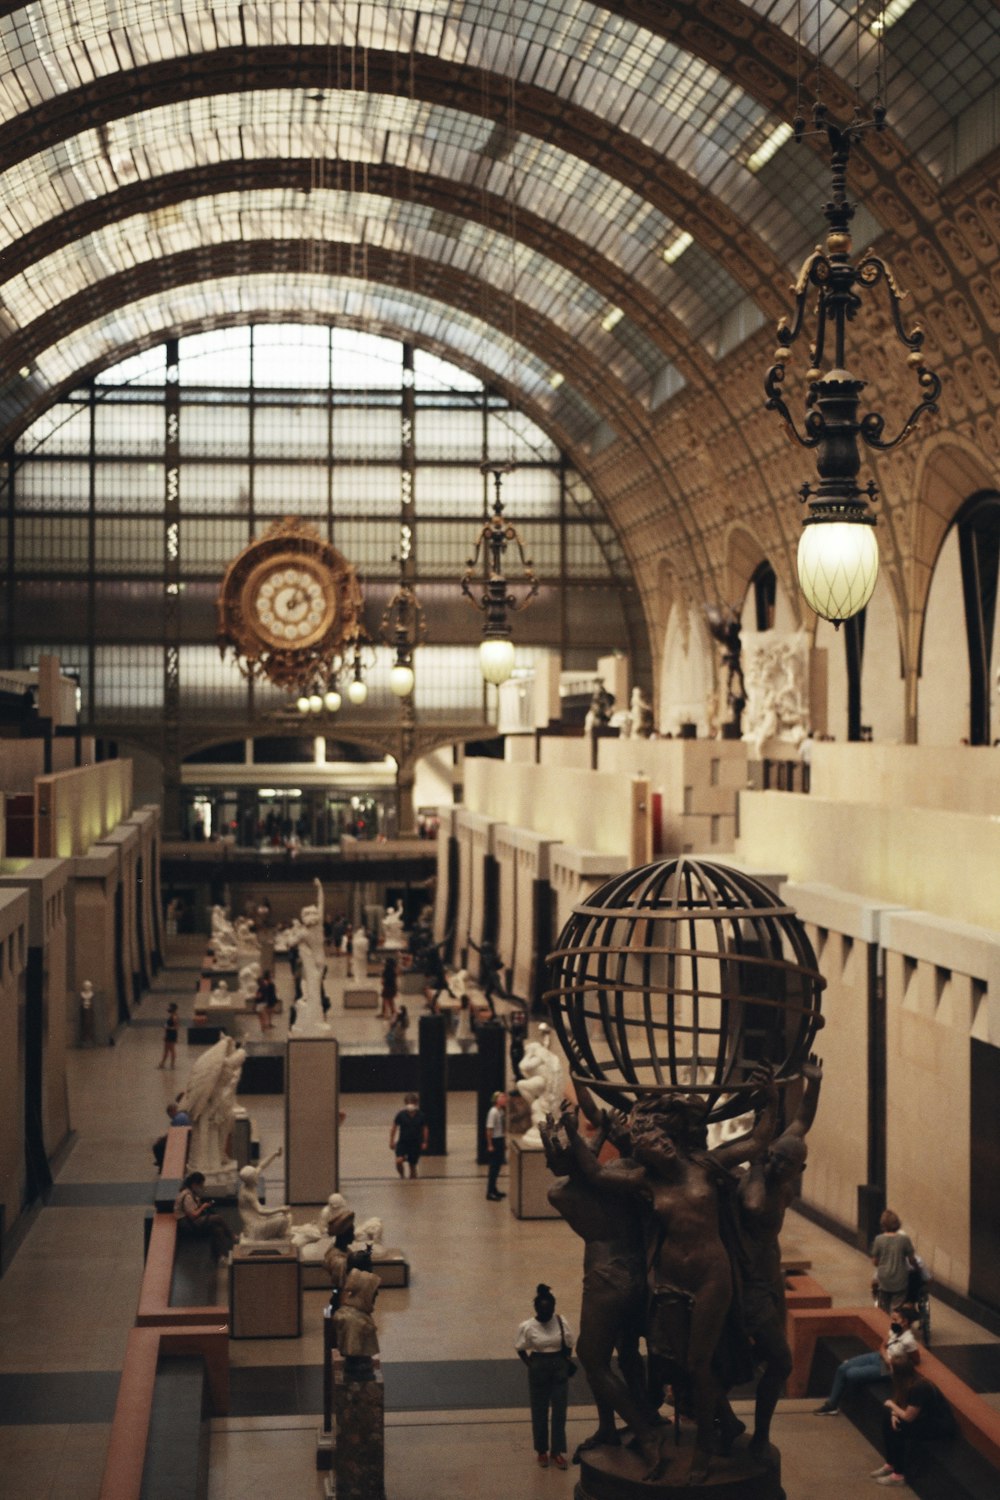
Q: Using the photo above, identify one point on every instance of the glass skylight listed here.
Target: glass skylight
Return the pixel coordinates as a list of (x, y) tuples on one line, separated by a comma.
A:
[(397, 313)]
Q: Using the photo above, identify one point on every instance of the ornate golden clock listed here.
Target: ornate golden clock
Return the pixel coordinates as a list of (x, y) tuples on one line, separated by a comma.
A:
[(288, 604)]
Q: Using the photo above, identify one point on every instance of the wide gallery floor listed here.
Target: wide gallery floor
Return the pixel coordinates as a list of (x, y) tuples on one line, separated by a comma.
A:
[(457, 1421)]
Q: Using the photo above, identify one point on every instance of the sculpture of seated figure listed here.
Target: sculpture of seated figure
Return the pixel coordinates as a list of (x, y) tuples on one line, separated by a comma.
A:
[(368, 1236), (541, 1083), (260, 1223), (315, 1240)]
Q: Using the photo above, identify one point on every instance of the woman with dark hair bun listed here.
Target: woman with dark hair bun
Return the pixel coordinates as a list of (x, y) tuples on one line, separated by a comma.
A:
[(914, 1412), (544, 1343)]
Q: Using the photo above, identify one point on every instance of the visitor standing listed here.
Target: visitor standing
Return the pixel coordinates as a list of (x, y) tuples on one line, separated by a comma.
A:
[(170, 1037), (390, 989), (496, 1144), (266, 1001), (544, 1344), (409, 1135), (892, 1251)]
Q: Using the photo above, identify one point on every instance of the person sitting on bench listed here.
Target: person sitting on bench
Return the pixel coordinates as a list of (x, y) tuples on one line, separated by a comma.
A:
[(195, 1219), (875, 1364)]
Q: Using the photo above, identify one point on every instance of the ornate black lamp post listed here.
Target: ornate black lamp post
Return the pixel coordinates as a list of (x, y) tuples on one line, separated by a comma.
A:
[(496, 651), (838, 551)]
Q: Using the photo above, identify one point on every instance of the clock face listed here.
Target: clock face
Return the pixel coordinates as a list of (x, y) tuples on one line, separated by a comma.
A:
[(289, 602)]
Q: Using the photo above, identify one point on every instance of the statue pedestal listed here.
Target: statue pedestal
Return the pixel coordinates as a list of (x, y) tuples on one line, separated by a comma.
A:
[(359, 1450), (312, 1119), (529, 1182), (619, 1474), (360, 997)]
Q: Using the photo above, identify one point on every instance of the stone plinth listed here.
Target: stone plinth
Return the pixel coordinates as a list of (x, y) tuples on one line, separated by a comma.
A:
[(619, 1474), (360, 997), (359, 1422), (530, 1180)]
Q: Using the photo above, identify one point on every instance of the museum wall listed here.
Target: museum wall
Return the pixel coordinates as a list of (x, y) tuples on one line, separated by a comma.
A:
[(963, 779), (937, 861), (591, 810), (13, 957), (73, 809)]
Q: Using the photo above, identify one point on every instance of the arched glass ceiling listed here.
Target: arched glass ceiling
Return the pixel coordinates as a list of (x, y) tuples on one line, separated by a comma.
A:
[(943, 57), (675, 104), (355, 219), (405, 136), (257, 298)]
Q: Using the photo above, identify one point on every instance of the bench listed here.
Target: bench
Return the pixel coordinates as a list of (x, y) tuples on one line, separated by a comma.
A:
[(802, 1291), (169, 1377), (178, 1278), (820, 1338)]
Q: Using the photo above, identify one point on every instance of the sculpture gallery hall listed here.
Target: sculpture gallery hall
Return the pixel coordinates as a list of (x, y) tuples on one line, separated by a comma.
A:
[(500, 542)]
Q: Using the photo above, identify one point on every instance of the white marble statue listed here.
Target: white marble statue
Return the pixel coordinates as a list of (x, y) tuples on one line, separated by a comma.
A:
[(368, 1236), (392, 928), (222, 929), (210, 1100), (776, 673), (260, 1223), (640, 716), (315, 1239), (249, 977), (221, 995), (541, 1082), (309, 1020), (359, 954), (306, 933), (247, 941)]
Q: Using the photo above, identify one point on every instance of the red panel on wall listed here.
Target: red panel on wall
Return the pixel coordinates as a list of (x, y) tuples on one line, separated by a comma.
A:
[(20, 833)]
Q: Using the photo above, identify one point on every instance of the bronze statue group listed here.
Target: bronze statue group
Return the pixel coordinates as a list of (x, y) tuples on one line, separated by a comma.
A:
[(681, 1252)]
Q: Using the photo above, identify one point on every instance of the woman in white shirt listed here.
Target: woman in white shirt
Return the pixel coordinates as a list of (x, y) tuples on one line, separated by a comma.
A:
[(544, 1343), (864, 1368)]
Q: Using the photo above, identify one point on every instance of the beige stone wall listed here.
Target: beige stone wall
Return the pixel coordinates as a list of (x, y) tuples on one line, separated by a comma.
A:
[(958, 778), (936, 861), (13, 955), (92, 941), (55, 1118), (942, 987), (588, 809), (74, 809)]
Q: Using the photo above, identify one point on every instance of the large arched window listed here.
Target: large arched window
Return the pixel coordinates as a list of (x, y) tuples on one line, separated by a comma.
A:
[(271, 421)]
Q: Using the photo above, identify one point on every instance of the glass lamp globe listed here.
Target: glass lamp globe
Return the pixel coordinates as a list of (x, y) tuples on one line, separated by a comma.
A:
[(838, 567), (302, 704), (401, 680), (496, 658), (315, 703), (331, 700), (357, 691)]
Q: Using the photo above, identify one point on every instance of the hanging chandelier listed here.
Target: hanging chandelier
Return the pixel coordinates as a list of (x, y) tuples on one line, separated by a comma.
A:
[(838, 550), (488, 589), (403, 628)]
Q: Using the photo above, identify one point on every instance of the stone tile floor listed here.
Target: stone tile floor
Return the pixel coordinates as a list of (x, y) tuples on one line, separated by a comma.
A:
[(457, 1419)]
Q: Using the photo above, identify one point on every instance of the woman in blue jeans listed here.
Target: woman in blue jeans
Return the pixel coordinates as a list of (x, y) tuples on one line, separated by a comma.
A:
[(864, 1368)]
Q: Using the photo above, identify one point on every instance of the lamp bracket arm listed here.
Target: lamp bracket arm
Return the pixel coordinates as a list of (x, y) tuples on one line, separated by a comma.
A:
[(776, 402), (872, 423)]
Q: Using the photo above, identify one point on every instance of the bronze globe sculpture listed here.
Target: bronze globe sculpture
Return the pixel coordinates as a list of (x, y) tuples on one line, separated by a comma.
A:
[(680, 978)]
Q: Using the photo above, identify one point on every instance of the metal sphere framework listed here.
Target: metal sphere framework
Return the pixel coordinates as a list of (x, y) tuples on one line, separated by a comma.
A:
[(681, 977)]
